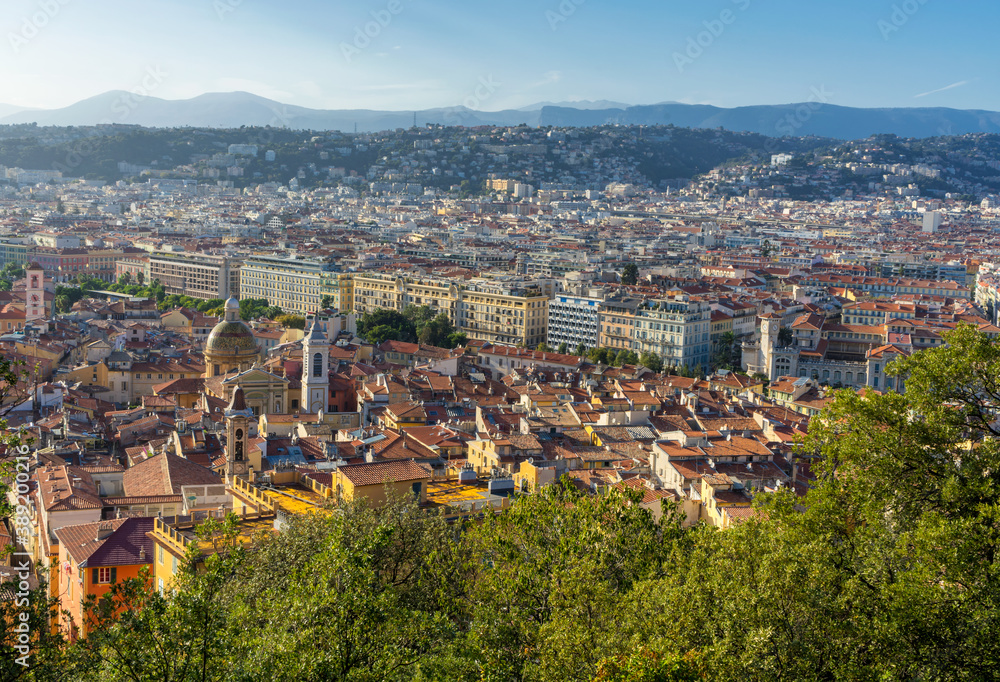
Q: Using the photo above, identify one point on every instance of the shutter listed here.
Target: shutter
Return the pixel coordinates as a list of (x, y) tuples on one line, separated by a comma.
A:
[(93, 580), (114, 574)]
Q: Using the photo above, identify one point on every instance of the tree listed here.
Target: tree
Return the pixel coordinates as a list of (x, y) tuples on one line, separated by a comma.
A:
[(254, 308), (289, 321), (402, 328), (570, 565), (786, 337), (140, 277), (543, 348), (382, 333), (563, 348), (457, 339), (626, 357), (652, 361), (326, 302), (581, 350), (724, 354), (437, 331), (630, 274), (125, 279), (766, 250)]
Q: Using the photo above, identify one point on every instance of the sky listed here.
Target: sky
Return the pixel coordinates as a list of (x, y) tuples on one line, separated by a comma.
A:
[(418, 54)]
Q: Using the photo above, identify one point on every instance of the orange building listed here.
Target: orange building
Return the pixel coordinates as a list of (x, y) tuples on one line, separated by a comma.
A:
[(93, 557)]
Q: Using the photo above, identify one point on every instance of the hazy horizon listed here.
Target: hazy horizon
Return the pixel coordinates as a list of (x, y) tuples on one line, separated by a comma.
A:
[(424, 54)]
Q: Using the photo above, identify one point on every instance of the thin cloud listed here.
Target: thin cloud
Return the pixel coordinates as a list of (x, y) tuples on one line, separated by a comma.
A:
[(947, 87), (550, 77)]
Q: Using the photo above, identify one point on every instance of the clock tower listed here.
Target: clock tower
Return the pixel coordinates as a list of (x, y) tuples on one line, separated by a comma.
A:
[(238, 417), (34, 299)]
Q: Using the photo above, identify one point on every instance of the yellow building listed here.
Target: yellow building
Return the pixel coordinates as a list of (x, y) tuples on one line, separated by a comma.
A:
[(371, 481), (339, 287), (494, 311)]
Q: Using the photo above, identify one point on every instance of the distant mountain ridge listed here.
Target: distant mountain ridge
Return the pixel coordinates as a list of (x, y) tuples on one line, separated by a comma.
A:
[(235, 109)]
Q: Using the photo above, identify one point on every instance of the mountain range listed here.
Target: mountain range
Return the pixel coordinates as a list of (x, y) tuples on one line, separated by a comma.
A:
[(235, 109)]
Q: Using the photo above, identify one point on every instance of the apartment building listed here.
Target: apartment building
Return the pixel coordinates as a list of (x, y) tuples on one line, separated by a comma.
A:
[(678, 329), (504, 312), (575, 320), (885, 288), (501, 311), (14, 250), (197, 275), (617, 322), (295, 286), (340, 288)]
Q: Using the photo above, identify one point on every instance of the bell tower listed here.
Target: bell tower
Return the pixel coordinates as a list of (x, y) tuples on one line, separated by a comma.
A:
[(238, 417), (34, 299), (315, 371)]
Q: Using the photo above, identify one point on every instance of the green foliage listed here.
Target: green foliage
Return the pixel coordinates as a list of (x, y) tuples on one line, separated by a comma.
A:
[(437, 331), (10, 273), (399, 327), (630, 274), (626, 357), (726, 352), (648, 666), (289, 321), (457, 339), (581, 350), (326, 302), (563, 348), (382, 333), (652, 361), (543, 348), (254, 308)]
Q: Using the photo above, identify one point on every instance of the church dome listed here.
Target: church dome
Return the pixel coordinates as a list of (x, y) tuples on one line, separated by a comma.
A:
[(231, 338)]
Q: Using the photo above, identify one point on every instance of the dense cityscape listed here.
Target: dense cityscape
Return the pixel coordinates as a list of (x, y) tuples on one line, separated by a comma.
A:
[(397, 341), (469, 317)]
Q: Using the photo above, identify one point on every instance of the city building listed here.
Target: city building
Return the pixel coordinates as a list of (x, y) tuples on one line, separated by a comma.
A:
[(196, 275)]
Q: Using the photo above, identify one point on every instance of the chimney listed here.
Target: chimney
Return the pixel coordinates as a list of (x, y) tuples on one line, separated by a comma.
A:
[(104, 531), (142, 553)]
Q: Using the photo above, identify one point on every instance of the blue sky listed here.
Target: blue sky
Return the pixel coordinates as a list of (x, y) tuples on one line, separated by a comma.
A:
[(429, 53)]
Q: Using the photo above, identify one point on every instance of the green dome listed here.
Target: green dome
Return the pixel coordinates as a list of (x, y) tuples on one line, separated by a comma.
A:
[(231, 338)]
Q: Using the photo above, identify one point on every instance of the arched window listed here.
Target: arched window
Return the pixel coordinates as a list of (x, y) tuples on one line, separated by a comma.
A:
[(318, 365)]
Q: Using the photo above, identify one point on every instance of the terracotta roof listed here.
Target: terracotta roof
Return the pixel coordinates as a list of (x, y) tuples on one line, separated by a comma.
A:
[(378, 473), (164, 474), (121, 548)]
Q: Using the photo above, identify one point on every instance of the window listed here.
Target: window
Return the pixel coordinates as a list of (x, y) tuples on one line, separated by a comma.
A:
[(104, 575), (173, 565), (318, 365), (160, 557)]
